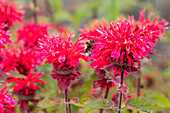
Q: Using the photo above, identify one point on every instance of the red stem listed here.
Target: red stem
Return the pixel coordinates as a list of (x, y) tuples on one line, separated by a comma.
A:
[(139, 83), (66, 100), (121, 93), (69, 106), (138, 87)]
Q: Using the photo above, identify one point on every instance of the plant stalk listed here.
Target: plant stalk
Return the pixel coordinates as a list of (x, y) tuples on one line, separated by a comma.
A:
[(35, 12), (138, 86), (121, 93), (139, 83), (69, 106), (66, 100), (105, 97)]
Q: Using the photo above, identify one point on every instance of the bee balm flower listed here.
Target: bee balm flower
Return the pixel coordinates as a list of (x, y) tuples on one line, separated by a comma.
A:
[(30, 33), (9, 13), (7, 103), (26, 87), (19, 59), (119, 46), (64, 55)]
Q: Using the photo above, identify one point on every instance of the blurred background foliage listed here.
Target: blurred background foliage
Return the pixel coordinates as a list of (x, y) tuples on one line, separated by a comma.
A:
[(74, 14)]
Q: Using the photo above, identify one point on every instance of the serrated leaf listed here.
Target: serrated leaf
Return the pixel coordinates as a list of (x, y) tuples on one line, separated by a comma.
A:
[(98, 104), (142, 104), (157, 97), (86, 99), (48, 102), (76, 103)]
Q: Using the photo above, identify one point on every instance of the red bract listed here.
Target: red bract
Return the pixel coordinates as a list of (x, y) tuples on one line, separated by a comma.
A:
[(26, 87), (4, 35), (19, 59), (103, 80), (9, 12), (119, 46), (30, 33), (6, 101), (64, 55)]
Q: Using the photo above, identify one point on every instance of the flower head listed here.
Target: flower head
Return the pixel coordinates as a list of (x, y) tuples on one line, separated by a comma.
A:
[(119, 46), (9, 12), (6, 101), (30, 33), (4, 35), (19, 59), (26, 87), (64, 55)]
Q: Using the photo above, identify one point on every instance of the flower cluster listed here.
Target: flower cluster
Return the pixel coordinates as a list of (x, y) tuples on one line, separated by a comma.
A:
[(64, 55), (26, 87), (4, 35), (30, 33), (19, 59), (9, 12), (120, 45), (7, 103)]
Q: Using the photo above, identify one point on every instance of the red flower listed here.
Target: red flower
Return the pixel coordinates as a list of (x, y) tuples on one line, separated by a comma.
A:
[(9, 12), (6, 101), (19, 59), (30, 33), (64, 55), (119, 46), (4, 35), (26, 87)]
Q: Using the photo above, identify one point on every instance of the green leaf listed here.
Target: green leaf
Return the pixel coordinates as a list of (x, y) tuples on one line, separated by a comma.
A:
[(98, 104), (74, 108), (142, 104), (76, 103), (86, 99), (48, 102), (158, 98)]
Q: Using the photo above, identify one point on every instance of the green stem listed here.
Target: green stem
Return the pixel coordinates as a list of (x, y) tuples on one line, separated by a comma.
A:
[(105, 97), (35, 12)]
